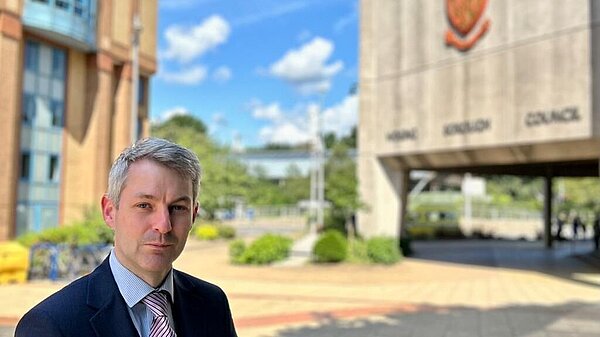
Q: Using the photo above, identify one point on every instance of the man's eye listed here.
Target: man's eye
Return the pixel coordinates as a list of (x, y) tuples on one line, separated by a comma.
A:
[(178, 208), (143, 205)]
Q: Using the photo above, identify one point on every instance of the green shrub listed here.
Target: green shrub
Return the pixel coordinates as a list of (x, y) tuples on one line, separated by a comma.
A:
[(207, 232), (331, 246), (267, 249), (226, 232), (383, 250), (236, 250), (92, 230), (357, 251)]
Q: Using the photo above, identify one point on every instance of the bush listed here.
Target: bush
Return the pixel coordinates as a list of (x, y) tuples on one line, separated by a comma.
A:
[(207, 232), (92, 230), (226, 232), (383, 250), (331, 246), (357, 251), (236, 250), (266, 249)]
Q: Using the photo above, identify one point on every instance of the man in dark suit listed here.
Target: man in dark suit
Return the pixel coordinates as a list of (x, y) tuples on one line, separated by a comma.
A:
[(151, 204)]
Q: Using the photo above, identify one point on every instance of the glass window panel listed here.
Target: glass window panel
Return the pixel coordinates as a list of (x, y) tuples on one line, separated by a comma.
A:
[(53, 169), (58, 63), (43, 112), (43, 86), (57, 113), (49, 217), (25, 166), (78, 7), (62, 4), (29, 82), (31, 56), (58, 90), (28, 108), (45, 60), (38, 167)]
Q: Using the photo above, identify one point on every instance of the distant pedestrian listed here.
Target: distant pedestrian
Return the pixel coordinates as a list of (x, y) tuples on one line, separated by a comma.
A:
[(560, 222), (597, 232), (576, 224)]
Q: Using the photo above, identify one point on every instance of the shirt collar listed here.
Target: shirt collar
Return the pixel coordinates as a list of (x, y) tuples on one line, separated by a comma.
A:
[(132, 287)]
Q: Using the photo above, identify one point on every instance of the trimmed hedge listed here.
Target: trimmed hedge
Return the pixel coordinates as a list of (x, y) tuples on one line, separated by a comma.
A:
[(331, 246), (383, 250)]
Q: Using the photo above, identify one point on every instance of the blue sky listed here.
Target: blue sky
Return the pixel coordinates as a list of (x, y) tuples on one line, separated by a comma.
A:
[(252, 70)]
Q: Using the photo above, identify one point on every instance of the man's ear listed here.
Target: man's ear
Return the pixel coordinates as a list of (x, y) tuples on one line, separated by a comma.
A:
[(195, 214), (108, 211)]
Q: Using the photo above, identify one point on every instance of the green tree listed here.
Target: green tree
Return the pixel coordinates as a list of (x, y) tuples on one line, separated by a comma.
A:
[(224, 179), (341, 184)]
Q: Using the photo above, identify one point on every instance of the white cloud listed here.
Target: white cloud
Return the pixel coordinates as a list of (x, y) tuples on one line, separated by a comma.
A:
[(271, 112), (306, 68), (284, 133), (222, 74), (340, 118), (187, 43), (174, 111), (191, 76)]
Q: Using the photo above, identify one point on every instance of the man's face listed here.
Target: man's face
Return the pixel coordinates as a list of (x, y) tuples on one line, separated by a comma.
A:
[(152, 220)]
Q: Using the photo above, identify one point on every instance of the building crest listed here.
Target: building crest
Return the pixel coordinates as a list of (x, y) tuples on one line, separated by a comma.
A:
[(466, 23)]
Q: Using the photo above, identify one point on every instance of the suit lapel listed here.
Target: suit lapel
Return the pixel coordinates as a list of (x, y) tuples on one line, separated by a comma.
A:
[(112, 318), (190, 320)]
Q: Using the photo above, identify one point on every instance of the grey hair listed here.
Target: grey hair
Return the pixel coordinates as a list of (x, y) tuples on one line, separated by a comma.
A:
[(161, 151)]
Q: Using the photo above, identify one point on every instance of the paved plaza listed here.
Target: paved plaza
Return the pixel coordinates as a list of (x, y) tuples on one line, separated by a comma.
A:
[(449, 288)]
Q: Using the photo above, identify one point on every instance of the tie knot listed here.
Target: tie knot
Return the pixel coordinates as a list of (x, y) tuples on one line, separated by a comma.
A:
[(157, 303)]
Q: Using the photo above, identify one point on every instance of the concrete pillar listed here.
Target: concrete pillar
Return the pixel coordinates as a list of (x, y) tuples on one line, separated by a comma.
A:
[(548, 210), (384, 188)]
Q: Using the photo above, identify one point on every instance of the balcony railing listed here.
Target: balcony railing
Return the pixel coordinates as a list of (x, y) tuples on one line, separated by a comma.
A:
[(70, 22)]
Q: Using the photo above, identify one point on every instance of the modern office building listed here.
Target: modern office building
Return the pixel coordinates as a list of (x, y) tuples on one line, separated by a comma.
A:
[(66, 91), (504, 87)]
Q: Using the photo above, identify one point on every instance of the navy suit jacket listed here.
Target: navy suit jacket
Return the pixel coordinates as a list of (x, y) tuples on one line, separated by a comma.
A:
[(93, 306)]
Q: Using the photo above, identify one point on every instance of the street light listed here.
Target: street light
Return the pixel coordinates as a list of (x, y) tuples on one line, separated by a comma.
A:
[(135, 70)]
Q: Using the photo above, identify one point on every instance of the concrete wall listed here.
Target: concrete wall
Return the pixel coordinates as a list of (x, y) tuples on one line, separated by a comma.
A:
[(522, 94)]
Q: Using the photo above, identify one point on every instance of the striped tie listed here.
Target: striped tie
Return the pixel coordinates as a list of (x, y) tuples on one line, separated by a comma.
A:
[(157, 303)]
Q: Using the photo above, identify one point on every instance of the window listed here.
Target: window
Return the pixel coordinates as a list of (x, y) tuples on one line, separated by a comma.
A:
[(28, 108), (53, 168), (78, 7), (56, 109), (58, 63), (32, 51), (62, 4), (25, 165)]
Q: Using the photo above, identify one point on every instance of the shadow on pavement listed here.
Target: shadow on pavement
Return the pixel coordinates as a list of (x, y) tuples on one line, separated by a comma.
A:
[(573, 319), (565, 260)]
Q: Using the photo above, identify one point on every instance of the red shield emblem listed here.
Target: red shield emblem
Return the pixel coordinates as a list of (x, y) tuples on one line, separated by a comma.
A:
[(463, 16)]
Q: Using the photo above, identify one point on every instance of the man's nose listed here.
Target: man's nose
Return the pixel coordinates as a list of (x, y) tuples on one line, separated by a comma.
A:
[(162, 221)]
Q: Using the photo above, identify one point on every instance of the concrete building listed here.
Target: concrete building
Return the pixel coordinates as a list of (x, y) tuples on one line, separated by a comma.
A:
[(66, 91), (504, 87)]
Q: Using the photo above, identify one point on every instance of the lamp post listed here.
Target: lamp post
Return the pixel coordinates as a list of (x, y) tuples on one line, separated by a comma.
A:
[(135, 70)]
